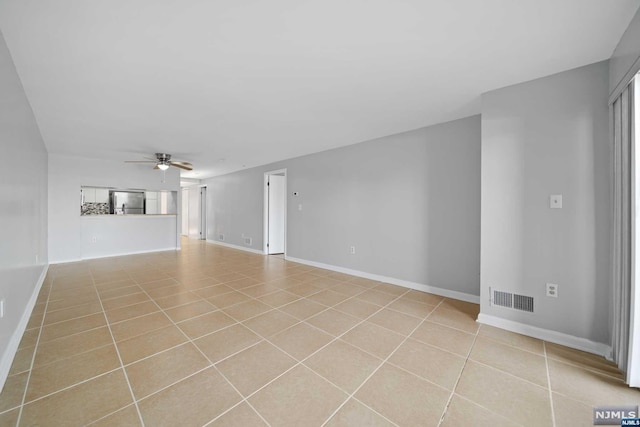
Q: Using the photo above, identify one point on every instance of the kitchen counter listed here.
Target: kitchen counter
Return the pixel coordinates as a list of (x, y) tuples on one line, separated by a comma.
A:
[(113, 235)]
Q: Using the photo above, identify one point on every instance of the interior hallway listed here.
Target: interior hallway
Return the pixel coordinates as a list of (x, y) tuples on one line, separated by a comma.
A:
[(211, 335)]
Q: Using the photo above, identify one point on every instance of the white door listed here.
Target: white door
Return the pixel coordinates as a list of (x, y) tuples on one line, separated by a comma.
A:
[(203, 213), (185, 212), (194, 212), (276, 191)]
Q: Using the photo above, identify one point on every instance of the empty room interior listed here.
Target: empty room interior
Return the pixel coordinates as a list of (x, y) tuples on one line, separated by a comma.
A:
[(416, 213)]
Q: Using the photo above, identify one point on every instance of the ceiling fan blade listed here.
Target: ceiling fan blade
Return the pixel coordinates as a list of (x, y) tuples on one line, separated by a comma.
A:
[(156, 167), (140, 161), (182, 165)]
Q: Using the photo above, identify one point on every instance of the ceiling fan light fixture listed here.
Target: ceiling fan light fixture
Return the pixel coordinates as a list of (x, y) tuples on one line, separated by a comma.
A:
[(163, 166)]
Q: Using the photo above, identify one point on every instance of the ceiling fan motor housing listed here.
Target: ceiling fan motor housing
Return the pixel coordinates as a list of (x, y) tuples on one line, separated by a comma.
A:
[(163, 159)]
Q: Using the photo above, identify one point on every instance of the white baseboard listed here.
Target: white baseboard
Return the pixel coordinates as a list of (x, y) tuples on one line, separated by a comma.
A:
[(548, 335), (65, 261), (16, 337), (240, 248), (171, 248), (404, 283)]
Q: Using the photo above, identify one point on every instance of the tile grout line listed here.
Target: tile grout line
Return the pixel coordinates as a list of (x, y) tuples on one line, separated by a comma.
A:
[(115, 345), (35, 352), (426, 379), (111, 413), (489, 410), (585, 368), (506, 344), (301, 362), (211, 365), (453, 390), (75, 384), (508, 374), (73, 355), (546, 364), (347, 393), (494, 369), (298, 322), (383, 361), (263, 339)]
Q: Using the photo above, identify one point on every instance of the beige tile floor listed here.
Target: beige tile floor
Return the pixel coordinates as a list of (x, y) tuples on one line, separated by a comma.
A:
[(214, 336)]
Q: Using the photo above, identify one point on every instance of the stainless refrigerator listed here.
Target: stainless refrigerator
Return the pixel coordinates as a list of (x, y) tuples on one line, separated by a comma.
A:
[(126, 202)]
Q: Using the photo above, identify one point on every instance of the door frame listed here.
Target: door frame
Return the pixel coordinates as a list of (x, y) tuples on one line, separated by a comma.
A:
[(265, 238)]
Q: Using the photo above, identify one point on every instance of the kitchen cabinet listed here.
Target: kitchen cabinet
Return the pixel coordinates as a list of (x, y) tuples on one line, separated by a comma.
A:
[(161, 202), (102, 195), (88, 195), (152, 203), (95, 195)]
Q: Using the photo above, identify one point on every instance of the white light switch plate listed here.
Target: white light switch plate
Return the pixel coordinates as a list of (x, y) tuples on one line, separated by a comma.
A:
[(555, 201)]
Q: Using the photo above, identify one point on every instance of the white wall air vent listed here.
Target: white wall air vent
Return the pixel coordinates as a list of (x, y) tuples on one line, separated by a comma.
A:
[(220, 236), (510, 300), (503, 299), (524, 303), (248, 241)]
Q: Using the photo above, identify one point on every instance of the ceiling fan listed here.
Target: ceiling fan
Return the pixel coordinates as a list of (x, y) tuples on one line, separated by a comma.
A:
[(163, 161)]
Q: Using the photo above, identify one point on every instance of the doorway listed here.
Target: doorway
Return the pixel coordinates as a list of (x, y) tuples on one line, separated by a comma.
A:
[(185, 212), (203, 213), (194, 212), (275, 212)]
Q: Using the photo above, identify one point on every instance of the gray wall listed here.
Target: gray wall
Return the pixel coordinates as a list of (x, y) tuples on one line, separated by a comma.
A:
[(625, 61), (410, 203), (548, 136), (23, 202)]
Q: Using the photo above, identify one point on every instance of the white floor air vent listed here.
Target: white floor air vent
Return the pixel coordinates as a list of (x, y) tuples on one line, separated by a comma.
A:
[(510, 300)]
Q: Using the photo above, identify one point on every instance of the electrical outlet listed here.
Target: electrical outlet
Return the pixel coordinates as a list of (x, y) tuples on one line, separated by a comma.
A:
[(552, 290), (352, 249), (2, 301), (94, 239), (555, 201)]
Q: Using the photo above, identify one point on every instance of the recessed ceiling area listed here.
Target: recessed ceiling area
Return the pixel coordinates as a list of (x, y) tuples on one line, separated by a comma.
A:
[(257, 82)]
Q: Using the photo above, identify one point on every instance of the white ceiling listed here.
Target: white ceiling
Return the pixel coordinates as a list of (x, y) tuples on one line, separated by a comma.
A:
[(253, 82)]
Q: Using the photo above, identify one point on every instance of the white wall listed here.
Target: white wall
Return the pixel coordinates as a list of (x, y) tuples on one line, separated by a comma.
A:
[(548, 136), (625, 61), (410, 203), (68, 173), (23, 209)]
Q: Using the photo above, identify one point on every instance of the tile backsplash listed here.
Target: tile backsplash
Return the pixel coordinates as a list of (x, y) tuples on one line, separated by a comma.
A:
[(94, 209)]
